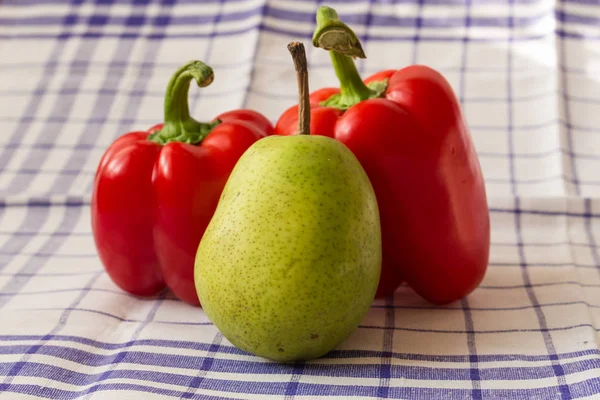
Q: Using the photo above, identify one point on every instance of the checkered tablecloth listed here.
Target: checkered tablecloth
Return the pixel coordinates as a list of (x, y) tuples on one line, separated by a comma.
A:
[(74, 75)]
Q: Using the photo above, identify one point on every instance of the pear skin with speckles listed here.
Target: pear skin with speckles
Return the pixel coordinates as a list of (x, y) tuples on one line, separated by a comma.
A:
[(291, 259)]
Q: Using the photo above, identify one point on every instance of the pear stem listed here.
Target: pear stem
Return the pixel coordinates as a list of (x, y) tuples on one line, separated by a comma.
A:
[(298, 53)]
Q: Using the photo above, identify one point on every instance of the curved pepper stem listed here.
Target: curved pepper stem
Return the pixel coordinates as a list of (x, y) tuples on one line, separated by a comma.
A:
[(179, 126), (343, 45)]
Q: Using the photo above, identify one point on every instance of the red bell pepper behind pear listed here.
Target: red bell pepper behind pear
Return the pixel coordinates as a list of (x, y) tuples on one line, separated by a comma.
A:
[(156, 191), (406, 128)]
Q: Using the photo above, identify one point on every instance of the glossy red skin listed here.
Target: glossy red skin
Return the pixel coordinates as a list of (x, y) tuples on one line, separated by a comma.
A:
[(418, 153), (152, 203)]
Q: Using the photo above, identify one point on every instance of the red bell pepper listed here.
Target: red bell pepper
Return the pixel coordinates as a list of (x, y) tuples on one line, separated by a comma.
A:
[(155, 191), (406, 128)]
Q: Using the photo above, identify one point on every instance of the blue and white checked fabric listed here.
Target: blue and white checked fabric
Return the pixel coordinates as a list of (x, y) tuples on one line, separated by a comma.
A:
[(74, 75)]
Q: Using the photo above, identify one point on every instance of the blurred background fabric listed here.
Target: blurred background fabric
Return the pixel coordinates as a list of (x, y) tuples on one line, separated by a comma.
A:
[(75, 75)]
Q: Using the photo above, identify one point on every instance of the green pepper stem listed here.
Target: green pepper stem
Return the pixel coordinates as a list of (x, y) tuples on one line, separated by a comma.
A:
[(343, 45), (176, 98), (298, 53), (179, 126), (352, 87)]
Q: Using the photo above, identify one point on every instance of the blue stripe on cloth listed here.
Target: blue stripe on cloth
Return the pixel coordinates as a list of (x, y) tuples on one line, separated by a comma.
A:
[(567, 128), (577, 35), (194, 363), (571, 18), (169, 66), (288, 32), (159, 64), (509, 104), (548, 213), (541, 264), (145, 2), (417, 36), (385, 367), (40, 202), (136, 20), (582, 388), (558, 369), (590, 233), (297, 35), (203, 365), (291, 16), (474, 370), (127, 2), (291, 388), (582, 2)]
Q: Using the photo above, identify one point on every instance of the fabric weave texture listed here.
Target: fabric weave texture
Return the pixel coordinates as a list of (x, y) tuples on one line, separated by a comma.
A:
[(75, 75)]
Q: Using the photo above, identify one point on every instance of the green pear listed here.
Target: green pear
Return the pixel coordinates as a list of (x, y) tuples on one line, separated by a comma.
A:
[(290, 262)]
